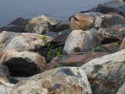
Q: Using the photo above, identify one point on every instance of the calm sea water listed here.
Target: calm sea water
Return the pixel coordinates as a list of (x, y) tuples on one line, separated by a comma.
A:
[(59, 9)]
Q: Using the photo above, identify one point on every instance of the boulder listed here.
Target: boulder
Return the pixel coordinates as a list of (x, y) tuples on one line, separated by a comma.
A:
[(60, 38), (85, 21), (23, 63), (110, 48), (13, 28), (111, 34), (57, 81), (79, 40), (122, 45), (112, 6), (17, 25), (62, 26), (40, 24), (81, 21), (108, 20), (19, 21), (106, 74), (22, 41)]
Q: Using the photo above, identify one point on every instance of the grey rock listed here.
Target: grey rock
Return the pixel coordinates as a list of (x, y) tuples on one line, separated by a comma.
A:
[(112, 6), (78, 39), (107, 20), (106, 74), (40, 24), (22, 41)]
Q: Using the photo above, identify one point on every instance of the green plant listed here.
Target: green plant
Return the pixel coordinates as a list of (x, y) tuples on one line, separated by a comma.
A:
[(54, 52), (44, 38)]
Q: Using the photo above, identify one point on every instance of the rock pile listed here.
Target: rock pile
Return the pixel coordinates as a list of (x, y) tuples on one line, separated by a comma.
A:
[(84, 55)]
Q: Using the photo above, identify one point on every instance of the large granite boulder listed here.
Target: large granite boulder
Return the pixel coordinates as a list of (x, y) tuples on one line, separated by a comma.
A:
[(57, 81), (106, 74), (40, 24), (22, 41), (112, 6), (79, 40)]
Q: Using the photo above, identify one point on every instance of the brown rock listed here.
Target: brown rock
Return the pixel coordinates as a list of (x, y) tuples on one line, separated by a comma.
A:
[(81, 21), (77, 59)]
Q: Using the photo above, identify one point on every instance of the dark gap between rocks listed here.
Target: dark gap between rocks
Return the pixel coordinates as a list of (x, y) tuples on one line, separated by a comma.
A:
[(109, 40), (20, 67)]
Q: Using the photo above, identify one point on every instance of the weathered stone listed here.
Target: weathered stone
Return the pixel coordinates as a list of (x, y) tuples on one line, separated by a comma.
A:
[(40, 24), (78, 41), (110, 48), (19, 21), (22, 41), (107, 20), (112, 6), (122, 46), (60, 38), (111, 34), (106, 74), (81, 21), (17, 25), (13, 28), (62, 26), (77, 59), (50, 34), (23, 63), (57, 81)]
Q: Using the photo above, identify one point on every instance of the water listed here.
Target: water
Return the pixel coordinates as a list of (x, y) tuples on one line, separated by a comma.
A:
[(59, 9)]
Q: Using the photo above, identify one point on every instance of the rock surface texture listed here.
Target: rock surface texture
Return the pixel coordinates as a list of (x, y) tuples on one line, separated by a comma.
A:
[(57, 81), (106, 74)]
